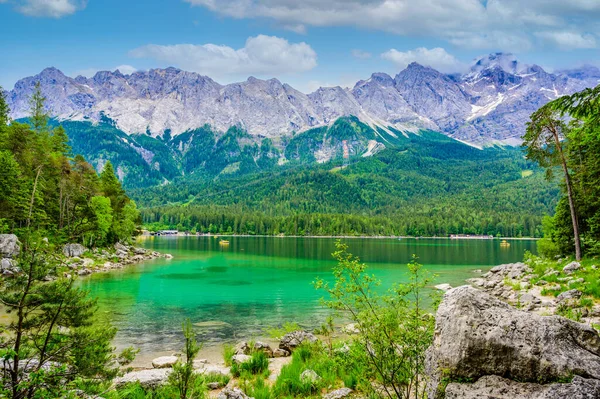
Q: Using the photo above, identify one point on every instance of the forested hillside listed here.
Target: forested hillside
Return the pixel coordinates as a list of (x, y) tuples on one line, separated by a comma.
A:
[(426, 184), (392, 183)]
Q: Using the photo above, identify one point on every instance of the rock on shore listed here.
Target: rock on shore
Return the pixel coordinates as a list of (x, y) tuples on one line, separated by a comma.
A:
[(477, 335), (494, 387), (291, 341), (9, 246)]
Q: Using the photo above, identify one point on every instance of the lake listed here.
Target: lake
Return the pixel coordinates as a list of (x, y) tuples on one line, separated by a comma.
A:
[(254, 283)]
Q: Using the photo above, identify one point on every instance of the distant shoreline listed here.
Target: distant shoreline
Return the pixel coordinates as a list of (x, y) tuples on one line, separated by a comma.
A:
[(362, 236)]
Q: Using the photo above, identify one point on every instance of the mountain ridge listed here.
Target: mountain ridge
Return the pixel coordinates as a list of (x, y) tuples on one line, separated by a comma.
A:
[(488, 104)]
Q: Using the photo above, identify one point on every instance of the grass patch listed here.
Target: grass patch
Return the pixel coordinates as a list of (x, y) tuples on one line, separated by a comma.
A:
[(307, 357), (286, 328), (257, 365), (228, 353)]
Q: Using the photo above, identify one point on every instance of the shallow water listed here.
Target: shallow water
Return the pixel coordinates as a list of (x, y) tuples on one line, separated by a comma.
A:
[(241, 289)]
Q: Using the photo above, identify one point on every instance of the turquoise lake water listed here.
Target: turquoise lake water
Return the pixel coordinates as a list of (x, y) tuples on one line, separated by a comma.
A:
[(254, 283)]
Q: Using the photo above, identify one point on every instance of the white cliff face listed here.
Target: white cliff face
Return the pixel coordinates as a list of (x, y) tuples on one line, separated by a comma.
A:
[(490, 103)]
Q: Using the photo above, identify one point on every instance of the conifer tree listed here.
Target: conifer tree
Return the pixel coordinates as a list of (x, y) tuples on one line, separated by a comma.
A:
[(39, 116)]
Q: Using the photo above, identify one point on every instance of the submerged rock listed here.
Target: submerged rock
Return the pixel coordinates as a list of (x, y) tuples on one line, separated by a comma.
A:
[(492, 387), (443, 287), (478, 335), (291, 341)]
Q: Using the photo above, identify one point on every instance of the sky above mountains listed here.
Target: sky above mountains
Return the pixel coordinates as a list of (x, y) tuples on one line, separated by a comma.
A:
[(307, 43)]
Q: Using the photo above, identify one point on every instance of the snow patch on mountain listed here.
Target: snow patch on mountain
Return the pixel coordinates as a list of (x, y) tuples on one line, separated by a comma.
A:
[(491, 103)]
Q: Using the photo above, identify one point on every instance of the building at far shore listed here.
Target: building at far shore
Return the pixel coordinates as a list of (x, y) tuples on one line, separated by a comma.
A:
[(471, 236)]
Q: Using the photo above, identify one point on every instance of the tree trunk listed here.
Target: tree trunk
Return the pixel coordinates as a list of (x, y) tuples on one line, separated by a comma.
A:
[(37, 176), (571, 200)]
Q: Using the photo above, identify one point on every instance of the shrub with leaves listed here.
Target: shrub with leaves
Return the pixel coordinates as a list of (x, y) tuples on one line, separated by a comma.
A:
[(183, 377), (52, 344), (395, 328)]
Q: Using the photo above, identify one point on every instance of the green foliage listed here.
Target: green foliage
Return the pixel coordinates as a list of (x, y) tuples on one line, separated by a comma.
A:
[(183, 377), (4, 111), (228, 353), (395, 329), (286, 328), (104, 217), (578, 151), (258, 364), (392, 193), (258, 389), (51, 343), (39, 116), (44, 187), (422, 184)]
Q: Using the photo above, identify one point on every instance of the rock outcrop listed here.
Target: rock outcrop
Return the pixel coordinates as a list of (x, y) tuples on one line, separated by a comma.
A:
[(72, 250), (164, 362), (292, 340), (477, 335), (493, 387), (151, 378), (233, 393), (339, 393), (10, 247), (244, 348)]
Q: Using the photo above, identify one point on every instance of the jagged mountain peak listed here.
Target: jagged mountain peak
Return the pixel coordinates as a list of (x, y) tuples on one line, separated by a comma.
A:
[(492, 102), (505, 61)]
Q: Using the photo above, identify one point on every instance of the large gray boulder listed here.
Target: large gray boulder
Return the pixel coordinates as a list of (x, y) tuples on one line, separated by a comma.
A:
[(164, 362), (72, 250), (478, 335), (9, 246), (494, 387), (291, 341), (7, 264), (147, 378)]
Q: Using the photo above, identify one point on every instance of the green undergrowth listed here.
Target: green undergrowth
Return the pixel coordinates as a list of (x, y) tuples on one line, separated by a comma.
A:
[(586, 279)]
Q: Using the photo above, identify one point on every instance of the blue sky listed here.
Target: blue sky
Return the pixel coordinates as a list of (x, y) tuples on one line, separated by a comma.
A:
[(306, 43)]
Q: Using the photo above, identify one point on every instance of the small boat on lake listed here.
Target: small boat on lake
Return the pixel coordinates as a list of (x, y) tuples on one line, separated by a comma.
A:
[(224, 242)]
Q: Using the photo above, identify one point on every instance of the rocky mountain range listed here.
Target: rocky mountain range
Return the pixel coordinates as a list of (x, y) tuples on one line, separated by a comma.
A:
[(489, 104)]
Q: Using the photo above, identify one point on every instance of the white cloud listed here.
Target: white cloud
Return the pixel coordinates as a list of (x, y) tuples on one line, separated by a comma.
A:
[(510, 24), (261, 55), (436, 58), (296, 28), (360, 54), (126, 69), (568, 40), (49, 8), (89, 72)]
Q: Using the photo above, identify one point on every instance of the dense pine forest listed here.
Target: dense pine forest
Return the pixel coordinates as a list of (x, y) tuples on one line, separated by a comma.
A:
[(44, 187), (425, 185)]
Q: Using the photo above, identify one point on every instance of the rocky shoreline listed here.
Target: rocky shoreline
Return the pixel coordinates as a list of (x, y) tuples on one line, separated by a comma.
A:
[(79, 260), (84, 262), (502, 336), (518, 285)]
